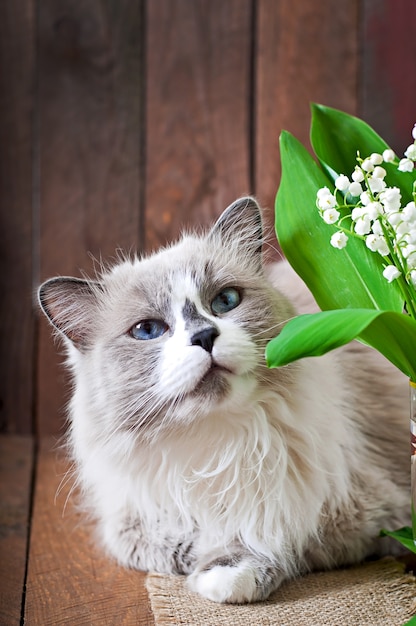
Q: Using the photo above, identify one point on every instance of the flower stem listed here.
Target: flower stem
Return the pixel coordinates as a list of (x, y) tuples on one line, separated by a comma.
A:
[(397, 261)]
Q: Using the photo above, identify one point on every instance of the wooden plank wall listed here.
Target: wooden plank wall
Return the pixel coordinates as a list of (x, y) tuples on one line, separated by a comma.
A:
[(123, 121), (17, 326)]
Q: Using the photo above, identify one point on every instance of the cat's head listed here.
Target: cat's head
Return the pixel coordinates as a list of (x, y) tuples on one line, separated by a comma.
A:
[(163, 340)]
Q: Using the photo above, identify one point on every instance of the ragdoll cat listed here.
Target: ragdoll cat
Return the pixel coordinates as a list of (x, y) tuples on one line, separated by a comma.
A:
[(197, 459)]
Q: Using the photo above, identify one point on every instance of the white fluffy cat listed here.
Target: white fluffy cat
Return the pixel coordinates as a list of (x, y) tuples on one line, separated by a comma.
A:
[(197, 459)]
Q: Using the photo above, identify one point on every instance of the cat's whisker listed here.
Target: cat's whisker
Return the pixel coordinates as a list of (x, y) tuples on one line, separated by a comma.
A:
[(270, 242), (268, 245), (136, 416), (67, 476), (149, 409), (76, 483), (278, 325), (168, 420)]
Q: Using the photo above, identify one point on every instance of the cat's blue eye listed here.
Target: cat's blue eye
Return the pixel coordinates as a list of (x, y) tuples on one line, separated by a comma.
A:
[(148, 329), (226, 300)]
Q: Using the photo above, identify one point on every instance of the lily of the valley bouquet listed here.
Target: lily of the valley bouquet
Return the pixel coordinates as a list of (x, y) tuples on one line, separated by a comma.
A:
[(347, 225)]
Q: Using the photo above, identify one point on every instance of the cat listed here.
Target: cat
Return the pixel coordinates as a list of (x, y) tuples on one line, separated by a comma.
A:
[(197, 459)]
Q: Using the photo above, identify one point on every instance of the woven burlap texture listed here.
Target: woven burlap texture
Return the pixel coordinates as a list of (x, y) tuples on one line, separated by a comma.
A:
[(374, 594)]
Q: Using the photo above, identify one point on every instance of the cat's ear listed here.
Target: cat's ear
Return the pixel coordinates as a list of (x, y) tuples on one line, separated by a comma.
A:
[(241, 224), (71, 306)]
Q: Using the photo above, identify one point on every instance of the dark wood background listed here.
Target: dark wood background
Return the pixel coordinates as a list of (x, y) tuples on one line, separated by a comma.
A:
[(123, 121)]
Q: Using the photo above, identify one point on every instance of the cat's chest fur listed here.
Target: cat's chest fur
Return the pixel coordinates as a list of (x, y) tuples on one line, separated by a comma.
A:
[(192, 454)]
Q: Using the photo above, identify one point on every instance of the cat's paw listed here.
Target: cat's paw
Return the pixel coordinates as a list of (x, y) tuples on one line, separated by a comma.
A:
[(226, 583)]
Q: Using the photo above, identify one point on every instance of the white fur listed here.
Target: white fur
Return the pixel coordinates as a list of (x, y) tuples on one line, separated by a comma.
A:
[(294, 468), (225, 584), (216, 469)]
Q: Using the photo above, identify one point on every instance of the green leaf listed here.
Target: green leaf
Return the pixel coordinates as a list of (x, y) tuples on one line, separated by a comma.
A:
[(404, 535), (348, 278), (316, 334), (336, 136), (391, 333), (394, 335)]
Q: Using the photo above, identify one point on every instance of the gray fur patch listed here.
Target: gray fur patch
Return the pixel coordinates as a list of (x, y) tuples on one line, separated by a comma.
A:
[(192, 316)]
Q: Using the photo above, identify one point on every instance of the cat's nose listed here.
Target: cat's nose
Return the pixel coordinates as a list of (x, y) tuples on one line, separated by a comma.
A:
[(205, 338)]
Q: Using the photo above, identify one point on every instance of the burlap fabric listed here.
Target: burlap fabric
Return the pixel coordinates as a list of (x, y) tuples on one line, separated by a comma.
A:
[(373, 594)]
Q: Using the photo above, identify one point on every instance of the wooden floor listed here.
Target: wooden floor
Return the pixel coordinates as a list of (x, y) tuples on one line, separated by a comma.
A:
[(51, 572)]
